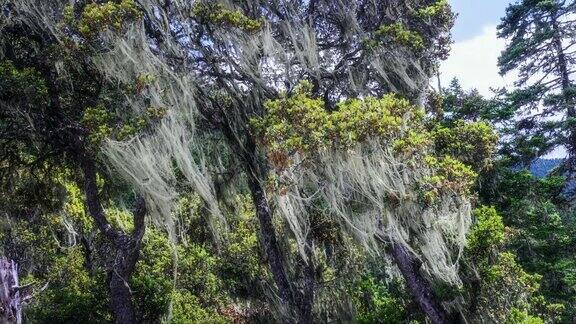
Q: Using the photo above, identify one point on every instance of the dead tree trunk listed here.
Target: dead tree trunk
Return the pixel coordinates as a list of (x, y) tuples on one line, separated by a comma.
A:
[(418, 286), (12, 295)]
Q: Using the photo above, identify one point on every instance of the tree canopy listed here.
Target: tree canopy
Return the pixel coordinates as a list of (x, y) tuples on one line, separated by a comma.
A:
[(285, 161)]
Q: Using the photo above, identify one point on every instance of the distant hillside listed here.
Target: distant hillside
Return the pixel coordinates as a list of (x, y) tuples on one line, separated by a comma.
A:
[(541, 167)]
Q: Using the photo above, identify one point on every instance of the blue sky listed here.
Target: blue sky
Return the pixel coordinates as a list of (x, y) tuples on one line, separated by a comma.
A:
[(474, 56), (476, 47), (473, 15)]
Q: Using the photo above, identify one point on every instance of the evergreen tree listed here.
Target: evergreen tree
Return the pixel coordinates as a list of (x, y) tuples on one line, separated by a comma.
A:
[(541, 40)]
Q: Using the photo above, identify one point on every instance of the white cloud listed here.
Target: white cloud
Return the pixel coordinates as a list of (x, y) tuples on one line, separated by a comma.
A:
[(475, 62)]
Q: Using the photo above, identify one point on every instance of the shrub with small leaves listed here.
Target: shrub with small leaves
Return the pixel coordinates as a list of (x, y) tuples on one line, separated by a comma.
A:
[(450, 174), (356, 120), (434, 10), (22, 83), (293, 124)]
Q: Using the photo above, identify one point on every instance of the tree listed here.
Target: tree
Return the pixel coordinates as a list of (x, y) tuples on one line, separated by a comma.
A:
[(541, 49), (540, 225), (498, 288), (311, 107), (56, 108), (533, 212), (220, 62)]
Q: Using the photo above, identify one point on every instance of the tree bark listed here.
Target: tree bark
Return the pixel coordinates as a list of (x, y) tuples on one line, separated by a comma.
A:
[(125, 248), (299, 301), (121, 298), (299, 304), (418, 287), (305, 296), (270, 243), (12, 295)]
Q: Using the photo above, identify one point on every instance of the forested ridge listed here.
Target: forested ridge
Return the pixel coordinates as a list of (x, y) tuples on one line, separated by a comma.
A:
[(282, 161)]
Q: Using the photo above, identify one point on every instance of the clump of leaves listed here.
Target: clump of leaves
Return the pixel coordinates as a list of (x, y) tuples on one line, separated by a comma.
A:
[(218, 14), (98, 17), (356, 120), (399, 34), (436, 9), (450, 174), (102, 124), (22, 83), (487, 232), (473, 143), (298, 123)]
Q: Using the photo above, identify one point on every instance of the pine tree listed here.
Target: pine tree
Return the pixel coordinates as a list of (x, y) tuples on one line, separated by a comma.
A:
[(541, 35)]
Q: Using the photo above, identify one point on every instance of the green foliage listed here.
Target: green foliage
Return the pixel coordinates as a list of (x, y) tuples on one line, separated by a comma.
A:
[(507, 267), (176, 274), (41, 247), (375, 304), (240, 266), (53, 238), (487, 232), (541, 231), (435, 9), (472, 143), (450, 174), (22, 83), (539, 37), (399, 34), (73, 295), (102, 124), (457, 104), (217, 14), (152, 280), (505, 287), (413, 142), (296, 123), (98, 120), (186, 308), (300, 124), (98, 17), (357, 120), (61, 249), (522, 317)]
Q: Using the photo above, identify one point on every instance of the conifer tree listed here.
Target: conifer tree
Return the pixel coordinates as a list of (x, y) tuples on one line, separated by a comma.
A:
[(541, 48)]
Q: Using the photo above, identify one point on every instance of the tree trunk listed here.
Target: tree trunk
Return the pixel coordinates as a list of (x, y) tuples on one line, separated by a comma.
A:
[(11, 294), (119, 273), (270, 243), (121, 298), (305, 296), (566, 85), (299, 304), (418, 287), (125, 249)]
